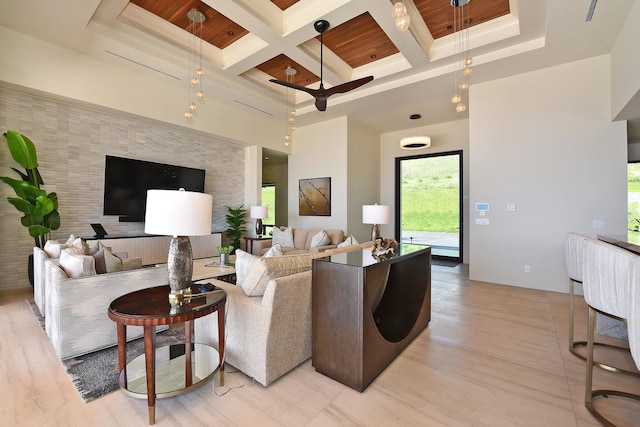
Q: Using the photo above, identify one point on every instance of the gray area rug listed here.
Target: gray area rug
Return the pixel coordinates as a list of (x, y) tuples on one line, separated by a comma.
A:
[(96, 374)]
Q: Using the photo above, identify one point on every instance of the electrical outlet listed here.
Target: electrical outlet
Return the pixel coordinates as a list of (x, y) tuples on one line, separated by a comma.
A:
[(527, 269)]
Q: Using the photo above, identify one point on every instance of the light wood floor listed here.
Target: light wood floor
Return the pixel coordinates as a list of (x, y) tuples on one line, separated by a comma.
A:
[(491, 356)]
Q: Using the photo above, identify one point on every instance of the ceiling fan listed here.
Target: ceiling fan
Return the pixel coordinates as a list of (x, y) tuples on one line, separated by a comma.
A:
[(321, 94)]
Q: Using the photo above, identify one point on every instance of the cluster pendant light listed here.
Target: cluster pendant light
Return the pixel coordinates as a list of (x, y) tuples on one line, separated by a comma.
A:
[(399, 12), (290, 109), (461, 22), (195, 71)]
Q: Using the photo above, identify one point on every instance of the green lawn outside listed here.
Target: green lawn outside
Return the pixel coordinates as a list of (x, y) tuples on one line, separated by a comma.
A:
[(430, 199), (633, 178)]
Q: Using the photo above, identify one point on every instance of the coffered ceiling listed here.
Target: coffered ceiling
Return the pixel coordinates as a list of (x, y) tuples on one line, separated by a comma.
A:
[(248, 42)]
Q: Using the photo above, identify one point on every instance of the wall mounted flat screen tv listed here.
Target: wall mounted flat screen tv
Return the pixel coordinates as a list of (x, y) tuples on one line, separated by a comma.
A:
[(126, 182)]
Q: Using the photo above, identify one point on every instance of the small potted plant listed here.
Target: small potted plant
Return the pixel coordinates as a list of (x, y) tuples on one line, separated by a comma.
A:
[(224, 252), (236, 220)]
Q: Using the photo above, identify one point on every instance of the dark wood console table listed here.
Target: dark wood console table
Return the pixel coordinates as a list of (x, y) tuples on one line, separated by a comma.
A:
[(366, 312), (195, 362)]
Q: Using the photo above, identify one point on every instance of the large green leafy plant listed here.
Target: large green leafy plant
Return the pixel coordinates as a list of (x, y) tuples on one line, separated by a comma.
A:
[(236, 220), (39, 208)]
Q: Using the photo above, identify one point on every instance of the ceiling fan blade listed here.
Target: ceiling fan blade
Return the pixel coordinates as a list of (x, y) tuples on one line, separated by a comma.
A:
[(321, 103), (346, 87), (592, 7), (295, 86)]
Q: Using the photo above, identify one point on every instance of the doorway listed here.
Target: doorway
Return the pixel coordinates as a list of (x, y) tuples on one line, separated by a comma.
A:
[(428, 208)]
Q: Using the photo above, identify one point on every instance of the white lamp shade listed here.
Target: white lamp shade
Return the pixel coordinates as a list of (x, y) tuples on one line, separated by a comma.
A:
[(178, 213), (375, 214), (258, 212)]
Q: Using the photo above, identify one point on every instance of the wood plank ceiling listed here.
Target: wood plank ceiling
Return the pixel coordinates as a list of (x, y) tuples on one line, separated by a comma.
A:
[(357, 42)]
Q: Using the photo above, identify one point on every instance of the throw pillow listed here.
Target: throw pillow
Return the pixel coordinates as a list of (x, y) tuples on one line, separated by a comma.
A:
[(80, 246), (112, 262), (348, 241), (282, 237), (275, 250), (107, 262), (53, 248), (265, 269), (75, 265), (320, 239), (244, 262)]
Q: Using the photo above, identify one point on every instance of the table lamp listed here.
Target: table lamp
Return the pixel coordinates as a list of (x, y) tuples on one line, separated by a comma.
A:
[(375, 214), (257, 213), (180, 214)]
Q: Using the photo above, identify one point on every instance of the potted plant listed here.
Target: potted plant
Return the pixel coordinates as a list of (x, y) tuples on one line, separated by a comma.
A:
[(40, 210), (236, 220), (224, 252)]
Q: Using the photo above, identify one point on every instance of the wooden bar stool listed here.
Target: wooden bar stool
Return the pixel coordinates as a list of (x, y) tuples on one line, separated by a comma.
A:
[(609, 273)]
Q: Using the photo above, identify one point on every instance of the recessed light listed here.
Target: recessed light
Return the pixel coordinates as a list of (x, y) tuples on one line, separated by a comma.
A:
[(231, 33)]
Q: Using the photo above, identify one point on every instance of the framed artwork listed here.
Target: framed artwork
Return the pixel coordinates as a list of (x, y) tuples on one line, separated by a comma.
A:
[(314, 197)]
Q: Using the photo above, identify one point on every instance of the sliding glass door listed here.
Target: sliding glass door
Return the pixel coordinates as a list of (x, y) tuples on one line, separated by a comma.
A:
[(429, 202)]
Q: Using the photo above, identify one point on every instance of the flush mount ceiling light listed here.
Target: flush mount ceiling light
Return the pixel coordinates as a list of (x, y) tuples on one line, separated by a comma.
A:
[(415, 142)]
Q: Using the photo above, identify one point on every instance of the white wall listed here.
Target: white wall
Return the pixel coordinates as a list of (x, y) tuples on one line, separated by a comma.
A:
[(543, 140), (625, 67), (47, 67), (445, 137), (363, 175), (319, 151)]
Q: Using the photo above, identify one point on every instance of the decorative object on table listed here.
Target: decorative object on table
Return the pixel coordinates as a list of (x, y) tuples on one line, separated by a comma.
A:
[(180, 214), (375, 214), (224, 252), (384, 249), (40, 210), (236, 220), (258, 213), (315, 197)]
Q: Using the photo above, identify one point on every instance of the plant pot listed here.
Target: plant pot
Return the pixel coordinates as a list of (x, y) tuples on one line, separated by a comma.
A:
[(30, 269), (224, 259)]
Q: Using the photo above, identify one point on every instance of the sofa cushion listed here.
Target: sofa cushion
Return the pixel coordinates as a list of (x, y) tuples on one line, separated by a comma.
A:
[(282, 237), (131, 264), (76, 265), (265, 269), (321, 238)]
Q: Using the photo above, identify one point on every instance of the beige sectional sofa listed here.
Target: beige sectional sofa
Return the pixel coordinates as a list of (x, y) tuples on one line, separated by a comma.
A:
[(300, 242), (269, 333), (74, 298)]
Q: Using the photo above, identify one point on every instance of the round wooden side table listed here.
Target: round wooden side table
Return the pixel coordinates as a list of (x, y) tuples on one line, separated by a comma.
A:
[(184, 366)]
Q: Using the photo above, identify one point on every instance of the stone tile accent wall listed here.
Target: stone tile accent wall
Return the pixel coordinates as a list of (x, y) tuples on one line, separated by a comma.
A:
[(72, 140)]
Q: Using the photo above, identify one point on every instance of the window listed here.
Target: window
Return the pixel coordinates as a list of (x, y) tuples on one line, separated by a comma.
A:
[(269, 200)]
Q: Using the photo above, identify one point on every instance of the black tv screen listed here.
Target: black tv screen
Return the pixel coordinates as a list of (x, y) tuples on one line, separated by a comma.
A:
[(126, 182)]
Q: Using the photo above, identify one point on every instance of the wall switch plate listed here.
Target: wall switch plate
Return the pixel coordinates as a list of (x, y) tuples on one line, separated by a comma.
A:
[(598, 223), (482, 221), (511, 207)]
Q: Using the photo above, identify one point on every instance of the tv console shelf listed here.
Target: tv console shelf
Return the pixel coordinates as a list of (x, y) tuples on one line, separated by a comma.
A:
[(155, 249)]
